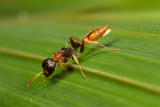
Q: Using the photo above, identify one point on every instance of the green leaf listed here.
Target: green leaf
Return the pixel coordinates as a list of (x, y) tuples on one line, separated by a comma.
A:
[(129, 77)]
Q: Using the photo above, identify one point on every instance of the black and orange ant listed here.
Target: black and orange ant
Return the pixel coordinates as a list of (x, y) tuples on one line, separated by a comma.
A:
[(61, 56)]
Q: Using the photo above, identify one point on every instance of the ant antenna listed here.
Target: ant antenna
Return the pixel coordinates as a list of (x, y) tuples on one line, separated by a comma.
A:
[(27, 85)]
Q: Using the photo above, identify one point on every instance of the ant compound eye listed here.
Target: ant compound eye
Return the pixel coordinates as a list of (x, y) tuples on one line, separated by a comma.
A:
[(48, 66)]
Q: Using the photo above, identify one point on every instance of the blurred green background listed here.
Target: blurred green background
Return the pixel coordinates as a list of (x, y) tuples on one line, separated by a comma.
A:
[(41, 28)]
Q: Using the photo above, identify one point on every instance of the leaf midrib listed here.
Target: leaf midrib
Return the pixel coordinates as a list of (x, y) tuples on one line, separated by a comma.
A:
[(132, 82)]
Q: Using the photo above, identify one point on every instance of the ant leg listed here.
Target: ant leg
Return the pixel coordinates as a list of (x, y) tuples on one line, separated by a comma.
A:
[(45, 79), (63, 67), (72, 37), (76, 60), (93, 42), (27, 85), (82, 47), (72, 42), (75, 45), (67, 44)]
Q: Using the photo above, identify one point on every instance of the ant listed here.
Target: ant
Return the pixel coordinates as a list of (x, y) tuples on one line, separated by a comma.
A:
[(61, 56)]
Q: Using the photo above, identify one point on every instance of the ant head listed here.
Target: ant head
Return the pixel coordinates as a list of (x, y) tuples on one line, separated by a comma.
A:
[(48, 66)]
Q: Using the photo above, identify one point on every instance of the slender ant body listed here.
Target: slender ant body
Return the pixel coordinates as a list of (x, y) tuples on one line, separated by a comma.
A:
[(49, 64)]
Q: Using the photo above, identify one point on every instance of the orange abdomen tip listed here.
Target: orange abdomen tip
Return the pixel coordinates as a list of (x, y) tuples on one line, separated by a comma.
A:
[(97, 33)]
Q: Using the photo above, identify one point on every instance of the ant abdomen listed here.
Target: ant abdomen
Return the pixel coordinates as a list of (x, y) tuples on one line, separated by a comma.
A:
[(48, 66), (97, 33)]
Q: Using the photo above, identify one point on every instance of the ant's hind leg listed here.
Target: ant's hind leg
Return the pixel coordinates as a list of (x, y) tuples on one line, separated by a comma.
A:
[(72, 37), (93, 42), (76, 60)]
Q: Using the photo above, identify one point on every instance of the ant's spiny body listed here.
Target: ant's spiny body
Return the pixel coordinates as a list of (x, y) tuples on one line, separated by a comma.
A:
[(61, 56)]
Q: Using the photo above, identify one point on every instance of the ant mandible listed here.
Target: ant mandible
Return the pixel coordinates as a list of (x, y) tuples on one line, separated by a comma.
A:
[(61, 56)]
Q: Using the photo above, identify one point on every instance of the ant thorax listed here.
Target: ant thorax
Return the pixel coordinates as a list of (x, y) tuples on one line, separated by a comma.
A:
[(67, 52)]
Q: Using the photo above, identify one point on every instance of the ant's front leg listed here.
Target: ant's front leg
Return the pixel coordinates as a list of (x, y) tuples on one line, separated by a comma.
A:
[(45, 79), (60, 62)]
